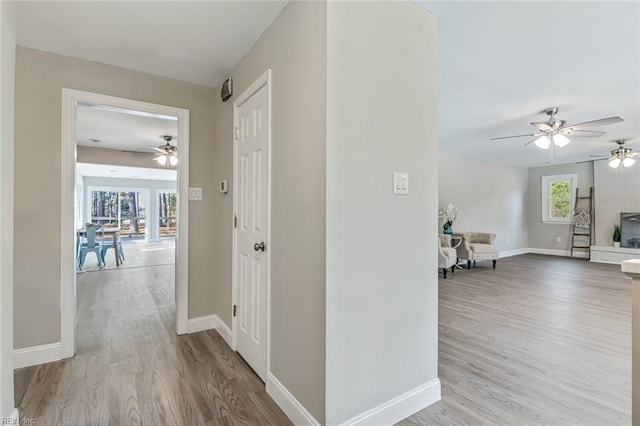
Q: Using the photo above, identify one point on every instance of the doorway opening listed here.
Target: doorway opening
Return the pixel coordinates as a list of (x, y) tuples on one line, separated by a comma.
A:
[(111, 198)]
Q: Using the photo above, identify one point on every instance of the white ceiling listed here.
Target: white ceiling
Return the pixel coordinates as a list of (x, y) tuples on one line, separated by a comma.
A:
[(196, 41), (501, 63), (122, 129), (104, 170)]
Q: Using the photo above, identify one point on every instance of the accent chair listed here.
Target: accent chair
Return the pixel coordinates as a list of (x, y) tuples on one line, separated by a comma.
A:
[(477, 246), (447, 256)]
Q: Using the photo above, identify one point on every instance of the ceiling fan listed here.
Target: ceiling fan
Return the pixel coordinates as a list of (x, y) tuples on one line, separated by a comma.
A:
[(168, 153), (619, 156), (557, 131)]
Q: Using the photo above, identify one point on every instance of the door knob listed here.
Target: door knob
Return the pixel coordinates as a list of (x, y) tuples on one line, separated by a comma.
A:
[(259, 246)]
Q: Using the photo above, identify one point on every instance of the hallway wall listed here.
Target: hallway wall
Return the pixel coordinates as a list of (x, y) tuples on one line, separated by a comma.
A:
[(40, 77), (7, 69)]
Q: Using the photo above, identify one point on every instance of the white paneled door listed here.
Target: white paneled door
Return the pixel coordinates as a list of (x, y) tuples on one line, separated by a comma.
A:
[(252, 192)]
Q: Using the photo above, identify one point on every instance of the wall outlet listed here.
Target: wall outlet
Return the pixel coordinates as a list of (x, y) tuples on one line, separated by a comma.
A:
[(558, 239)]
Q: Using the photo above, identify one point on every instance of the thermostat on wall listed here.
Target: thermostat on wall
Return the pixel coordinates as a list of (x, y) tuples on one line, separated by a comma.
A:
[(224, 186)]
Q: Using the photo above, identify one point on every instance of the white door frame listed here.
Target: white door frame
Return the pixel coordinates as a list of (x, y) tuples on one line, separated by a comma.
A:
[(70, 99), (262, 81)]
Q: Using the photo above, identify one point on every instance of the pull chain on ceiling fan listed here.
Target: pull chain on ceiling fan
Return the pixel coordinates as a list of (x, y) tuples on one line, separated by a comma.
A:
[(557, 131)]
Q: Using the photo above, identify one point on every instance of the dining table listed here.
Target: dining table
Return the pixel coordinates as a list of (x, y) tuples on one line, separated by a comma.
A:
[(107, 231)]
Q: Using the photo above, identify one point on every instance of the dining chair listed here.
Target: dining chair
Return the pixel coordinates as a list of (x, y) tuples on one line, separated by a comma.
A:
[(108, 244), (88, 242)]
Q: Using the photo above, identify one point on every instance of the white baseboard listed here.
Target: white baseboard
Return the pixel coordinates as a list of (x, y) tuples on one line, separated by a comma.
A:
[(400, 407), (288, 403), (514, 252), (605, 261), (224, 330), (36, 355), (210, 322), (553, 252), (207, 322)]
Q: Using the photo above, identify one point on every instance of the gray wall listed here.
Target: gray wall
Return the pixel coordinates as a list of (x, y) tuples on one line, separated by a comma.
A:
[(294, 47), (616, 191), (40, 78), (115, 157), (491, 197), (7, 69), (544, 235), (382, 288)]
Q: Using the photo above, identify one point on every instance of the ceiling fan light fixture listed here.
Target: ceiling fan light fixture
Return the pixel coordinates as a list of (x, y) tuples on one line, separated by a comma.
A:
[(543, 142), (614, 163), (560, 140), (162, 160), (628, 162), (173, 160)]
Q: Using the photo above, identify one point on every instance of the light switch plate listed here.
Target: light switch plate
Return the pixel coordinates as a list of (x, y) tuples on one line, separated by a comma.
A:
[(195, 194), (401, 183)]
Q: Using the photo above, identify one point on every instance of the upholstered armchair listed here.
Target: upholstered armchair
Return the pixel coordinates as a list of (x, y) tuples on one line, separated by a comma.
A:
[(477, 246), (446, 254)]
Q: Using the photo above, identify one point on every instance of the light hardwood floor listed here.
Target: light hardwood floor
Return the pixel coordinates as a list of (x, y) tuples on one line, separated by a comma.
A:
[(131, 368), (540, 340)]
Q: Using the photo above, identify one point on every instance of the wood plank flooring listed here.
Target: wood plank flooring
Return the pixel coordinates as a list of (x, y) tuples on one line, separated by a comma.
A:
[(541, 340), (131, 368)]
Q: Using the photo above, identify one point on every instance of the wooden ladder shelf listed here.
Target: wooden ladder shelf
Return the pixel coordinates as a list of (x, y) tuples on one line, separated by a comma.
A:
[(579, 232)]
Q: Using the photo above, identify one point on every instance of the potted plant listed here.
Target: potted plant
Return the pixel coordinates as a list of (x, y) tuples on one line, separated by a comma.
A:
[(616, 236), (449, 215)]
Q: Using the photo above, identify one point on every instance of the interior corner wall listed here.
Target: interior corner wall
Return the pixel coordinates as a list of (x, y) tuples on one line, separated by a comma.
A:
[(40, 77), (491, 197), (382, 287), (616, 191), (294, 48), (7, 74), (544, 235)]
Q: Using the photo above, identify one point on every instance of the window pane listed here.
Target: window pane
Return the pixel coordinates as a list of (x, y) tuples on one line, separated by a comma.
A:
[(560, 199), (167, 202), (132, 210), (104, 207)]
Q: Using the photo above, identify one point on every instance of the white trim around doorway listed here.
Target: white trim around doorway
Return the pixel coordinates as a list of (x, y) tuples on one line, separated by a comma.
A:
[(70, 99)]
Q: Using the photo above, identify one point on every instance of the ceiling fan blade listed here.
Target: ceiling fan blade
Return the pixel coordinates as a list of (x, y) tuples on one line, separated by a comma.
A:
[(532, 140), (543, 126), (517, 136), (584, 133), (594, 123), (157, 149)]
